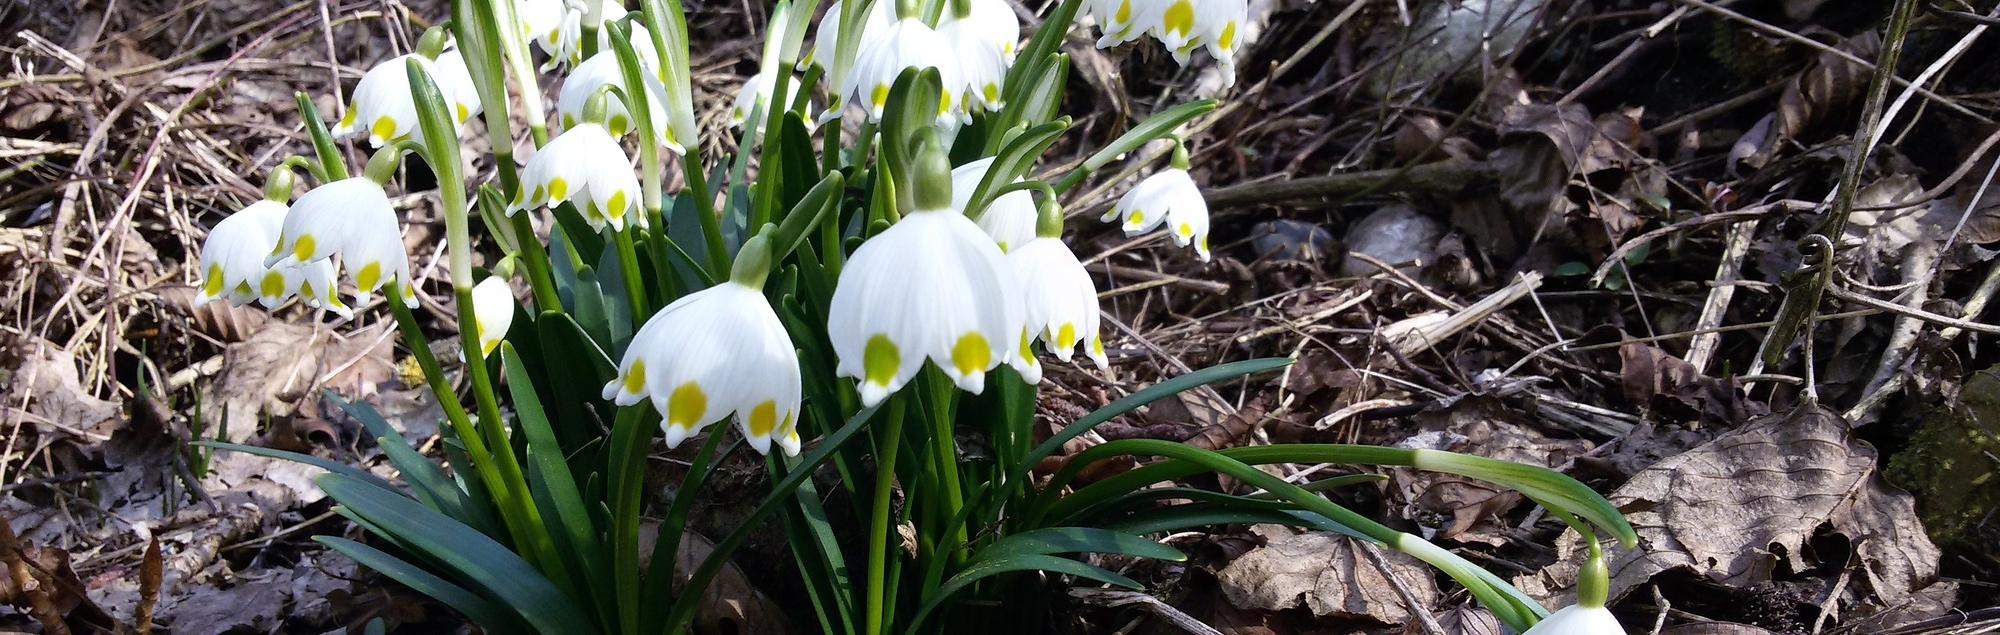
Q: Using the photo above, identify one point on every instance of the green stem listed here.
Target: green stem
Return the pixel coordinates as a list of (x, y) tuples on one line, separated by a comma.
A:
[(628, 267), (886, 450), (944, 443), (540, 280), (711, 226)]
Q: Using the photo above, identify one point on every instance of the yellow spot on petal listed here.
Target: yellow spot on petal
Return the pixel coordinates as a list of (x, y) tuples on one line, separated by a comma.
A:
[(213, 285), (1097, 344), (559, 189), (617, 125), (243, 288), (346, 120), (1179, 17), (686, 405), (369, 277), (971, 354), (1201, 243), (463, 112), (763, 419), (486, 347), (1066, 336), (569, 121), (992, 91), (615, 208), (880, 96), (1026, 353), (384, 128), (880, 360), (1137, 216), (1185, 230), (272, 286), (635, 377), (1124, 13), (541, 194), (1228, 39), (302, 248)]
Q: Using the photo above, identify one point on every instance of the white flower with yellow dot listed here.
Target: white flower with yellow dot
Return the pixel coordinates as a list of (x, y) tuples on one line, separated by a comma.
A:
[(1181, 25), (1009, 219), (541, 19), (908, 43), (590, 78), (932, 286), (353, 218), (826, 44), (1059, 300), (584, 165), (983, 40), (492, 312), (383, 108), (716, 353), (1167, 197), (232, 264)]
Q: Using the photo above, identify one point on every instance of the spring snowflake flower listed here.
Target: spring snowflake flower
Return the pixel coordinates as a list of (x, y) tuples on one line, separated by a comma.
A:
[(1171, 197), (353, 218), (908, 43), (1009, 219), (492, 312), (584, 165), (564, 42), (541, 19), (1578, 620), (1059, 300), (826, 43), (602, 70), (1181, 25), (755, 92), (932, 286), (383, 108), (983, 41), (714, 353), (232, 264)]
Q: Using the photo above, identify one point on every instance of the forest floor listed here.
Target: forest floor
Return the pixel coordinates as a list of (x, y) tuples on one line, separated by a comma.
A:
[(1547, 231)]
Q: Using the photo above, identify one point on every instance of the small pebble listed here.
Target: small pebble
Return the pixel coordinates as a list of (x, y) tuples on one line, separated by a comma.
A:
[(1395, 234)]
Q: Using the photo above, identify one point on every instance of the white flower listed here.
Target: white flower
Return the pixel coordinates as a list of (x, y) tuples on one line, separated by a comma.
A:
[(756, 91), (1578, 620), (906, 44), (587, 166), (541, 19), (710, 354), (383, 107), (1181, 25), (586, 79), (353, 218), (1122, 21), (1169, 196), (564, 43), (1059, 300), (492, 312), (1009, 219), (827, 40), (983, 42), (932, 286), (232, 264), (1221, 22)]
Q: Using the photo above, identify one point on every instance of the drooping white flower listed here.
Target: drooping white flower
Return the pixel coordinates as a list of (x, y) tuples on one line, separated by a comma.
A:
[(541, 19), (826, 41), (1059, 300), (584, 165), (756, 91), (983, 42), (908, 43), (232, 264), (932, 286), (353, 218), (1122, 21), (587, 79), (492, 312), (1009, 219), (383, 108), (714, 353), (1181, 25), (1171, 197), (1578, 620), (564, 43), (1222, 24)]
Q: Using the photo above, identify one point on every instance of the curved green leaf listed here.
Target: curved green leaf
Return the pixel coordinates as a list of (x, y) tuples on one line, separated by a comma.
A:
[(324, 464), (489, 615), (1054, 540), (1018, 562)]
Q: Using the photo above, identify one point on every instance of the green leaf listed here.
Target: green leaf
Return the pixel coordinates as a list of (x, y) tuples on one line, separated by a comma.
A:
[(439, 491), (570, 523), (324, 464), (1054, 540), (1015, 157), (1572, 269), (1181, 517), (1019, 562), (475, 558), (491, 616), (1159, 125)]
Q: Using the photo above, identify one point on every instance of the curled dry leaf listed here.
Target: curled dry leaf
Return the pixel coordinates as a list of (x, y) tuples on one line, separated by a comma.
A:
[(1677, 392), (1821, 94), (1732, 509), (1328, 574)]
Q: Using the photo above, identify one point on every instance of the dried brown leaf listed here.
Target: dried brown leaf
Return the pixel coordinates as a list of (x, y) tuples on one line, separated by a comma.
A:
[(1678, 392), (1460, 620), (1825, 90), (218, 319), (1732, 509), (1714, 628), (1326, 573)]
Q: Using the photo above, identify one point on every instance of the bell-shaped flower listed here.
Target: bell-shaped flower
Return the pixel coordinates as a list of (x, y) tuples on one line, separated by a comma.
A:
[(1171, 197), (353, 218), (826, 41), (932, 286), (908, 43), (714, 353), (564, 43), (232, 264), (1222, 26), (756, 91), (584, 165), (1059, 300), (1578, 620), (541, 19), (1009, 219), (1122, 21), (983, 41), (383, 108), (492, 312), (592, 76)]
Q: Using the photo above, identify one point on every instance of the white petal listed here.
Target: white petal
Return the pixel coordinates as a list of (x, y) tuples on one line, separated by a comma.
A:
[(492, 312), (1577, 620)]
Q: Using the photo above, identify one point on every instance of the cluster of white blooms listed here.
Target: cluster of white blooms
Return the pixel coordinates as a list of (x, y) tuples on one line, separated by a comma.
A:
[(968, 290), (1181, 25)]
